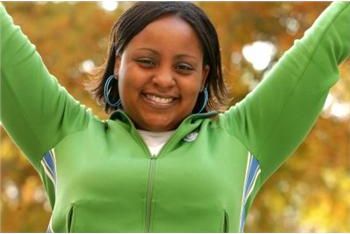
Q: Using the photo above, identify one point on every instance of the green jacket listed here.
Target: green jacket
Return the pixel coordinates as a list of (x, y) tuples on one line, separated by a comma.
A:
[(99, 174)]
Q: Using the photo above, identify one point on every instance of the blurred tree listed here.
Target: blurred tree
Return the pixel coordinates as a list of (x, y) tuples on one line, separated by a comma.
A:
[(311, 192)]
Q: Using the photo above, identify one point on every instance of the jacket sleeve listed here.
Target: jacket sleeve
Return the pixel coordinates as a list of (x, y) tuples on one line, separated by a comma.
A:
[(35, 110), (274, 118)]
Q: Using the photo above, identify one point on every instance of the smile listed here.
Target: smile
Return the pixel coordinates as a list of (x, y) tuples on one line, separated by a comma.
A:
[(155, 99)]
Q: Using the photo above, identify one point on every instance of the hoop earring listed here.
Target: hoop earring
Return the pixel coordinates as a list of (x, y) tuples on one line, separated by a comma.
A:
[(107, 90), (205, 101)]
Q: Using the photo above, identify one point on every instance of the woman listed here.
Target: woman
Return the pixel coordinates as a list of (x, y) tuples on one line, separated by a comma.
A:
[(165, 161)]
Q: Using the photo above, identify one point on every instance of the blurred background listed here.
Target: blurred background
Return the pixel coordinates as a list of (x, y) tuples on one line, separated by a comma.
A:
[(310, 193)]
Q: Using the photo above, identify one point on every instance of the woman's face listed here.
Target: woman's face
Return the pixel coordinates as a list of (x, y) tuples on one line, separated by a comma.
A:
[(161, 73)]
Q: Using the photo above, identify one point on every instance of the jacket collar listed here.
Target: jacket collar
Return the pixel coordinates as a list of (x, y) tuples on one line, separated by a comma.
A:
[(187, 130), (122, 116)]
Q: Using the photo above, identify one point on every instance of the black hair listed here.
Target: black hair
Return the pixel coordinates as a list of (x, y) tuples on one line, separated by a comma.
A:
[(136, 18)]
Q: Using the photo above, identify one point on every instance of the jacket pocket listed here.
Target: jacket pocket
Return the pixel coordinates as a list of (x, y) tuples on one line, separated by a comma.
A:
[(70, 219), (225, 225), (105, 216)]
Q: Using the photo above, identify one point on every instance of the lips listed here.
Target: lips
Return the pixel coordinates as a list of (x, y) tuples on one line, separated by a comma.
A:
[(159, 100)]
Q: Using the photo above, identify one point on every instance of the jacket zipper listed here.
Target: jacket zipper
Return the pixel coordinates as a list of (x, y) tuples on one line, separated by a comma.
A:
[(153, 164), (151, 175), (149, 181), (149, 193)]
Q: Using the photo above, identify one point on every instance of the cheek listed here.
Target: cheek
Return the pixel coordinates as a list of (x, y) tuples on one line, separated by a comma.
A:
[(190, 91), (129, 81), (134, 75), (125, 90)]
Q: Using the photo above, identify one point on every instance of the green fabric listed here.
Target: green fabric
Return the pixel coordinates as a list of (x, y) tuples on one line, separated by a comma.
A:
[(206, 176)]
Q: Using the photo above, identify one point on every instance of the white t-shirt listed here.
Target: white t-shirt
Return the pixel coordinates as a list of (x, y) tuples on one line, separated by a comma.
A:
[(155, 140)]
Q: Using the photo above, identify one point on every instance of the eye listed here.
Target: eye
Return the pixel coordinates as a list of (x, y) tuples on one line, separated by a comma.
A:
[(146, 62), (184, 68)]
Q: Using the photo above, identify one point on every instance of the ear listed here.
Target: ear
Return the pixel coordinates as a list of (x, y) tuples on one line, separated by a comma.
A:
[(117, 66), (205, 73)]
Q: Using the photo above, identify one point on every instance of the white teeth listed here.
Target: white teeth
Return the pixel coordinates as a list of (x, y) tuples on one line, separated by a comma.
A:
[(161, 100)]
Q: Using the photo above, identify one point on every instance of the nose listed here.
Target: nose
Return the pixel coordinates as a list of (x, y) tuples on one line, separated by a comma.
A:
[(164, 78)]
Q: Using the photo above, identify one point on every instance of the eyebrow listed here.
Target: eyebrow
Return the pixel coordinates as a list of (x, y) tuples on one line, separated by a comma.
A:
[(177, 56)]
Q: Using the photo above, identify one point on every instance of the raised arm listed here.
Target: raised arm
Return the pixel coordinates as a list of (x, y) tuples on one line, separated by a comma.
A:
[(35, 110), (275, 118)]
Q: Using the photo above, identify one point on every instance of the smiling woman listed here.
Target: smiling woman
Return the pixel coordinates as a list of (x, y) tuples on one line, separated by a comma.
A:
[(166, 160), (159, 81), (186, 45)]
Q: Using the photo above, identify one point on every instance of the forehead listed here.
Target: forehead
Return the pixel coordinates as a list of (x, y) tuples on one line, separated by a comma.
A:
[(168, 31)]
